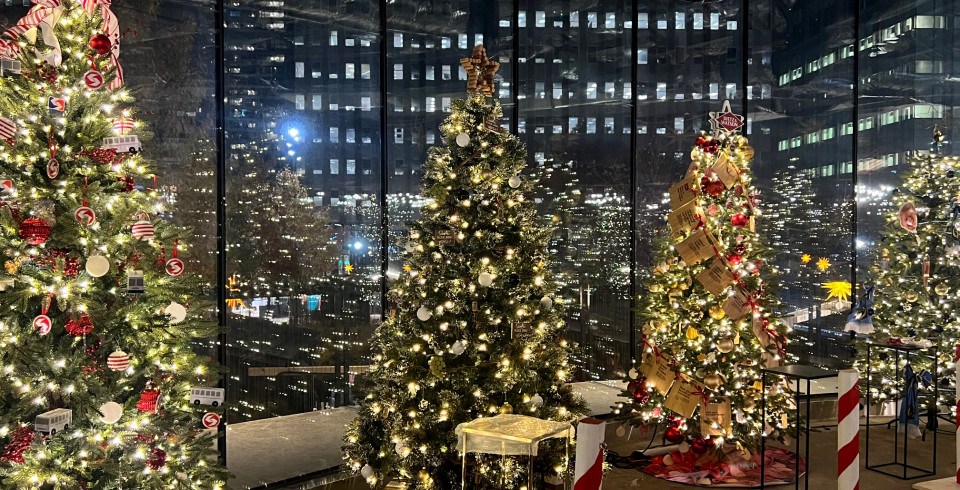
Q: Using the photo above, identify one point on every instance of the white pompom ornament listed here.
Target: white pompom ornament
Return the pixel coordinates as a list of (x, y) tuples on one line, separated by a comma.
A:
[(463, 139), (366, 472), (633, 373), (111, 412), (536, 401), (424, 313), (118, 361), (514, 182), (98, 266), (485, 279), (177, 312), (142, 230), (458, 347)]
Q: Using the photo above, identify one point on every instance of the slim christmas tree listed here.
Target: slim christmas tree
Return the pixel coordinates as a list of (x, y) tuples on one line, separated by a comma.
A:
[(476, 328), (101, 389), (708, 311), (915, 273)]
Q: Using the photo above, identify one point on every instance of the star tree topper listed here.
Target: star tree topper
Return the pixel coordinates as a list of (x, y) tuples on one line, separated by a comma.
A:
[(726, 120), (480, 71)]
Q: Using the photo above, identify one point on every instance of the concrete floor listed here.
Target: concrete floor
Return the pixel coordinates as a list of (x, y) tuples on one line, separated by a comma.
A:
[(822, 455)]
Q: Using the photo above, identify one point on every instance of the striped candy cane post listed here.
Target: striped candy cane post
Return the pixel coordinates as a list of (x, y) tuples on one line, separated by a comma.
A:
[(848, 431)]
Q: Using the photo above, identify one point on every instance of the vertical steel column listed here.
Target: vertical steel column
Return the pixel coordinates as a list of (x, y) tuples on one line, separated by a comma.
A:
[(221, 204), (634, 113), (745, 54), (856, 149), (515, 76), (384, 180)]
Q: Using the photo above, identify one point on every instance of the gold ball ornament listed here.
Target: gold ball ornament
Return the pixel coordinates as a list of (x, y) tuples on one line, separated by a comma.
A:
[(675, 292), (717, 313), (655, 288), (747, 151), (692, 333), (660, 325), (506, 408), (911, 296), (941, 289), (725, 344), (749, 403), (713, 381)]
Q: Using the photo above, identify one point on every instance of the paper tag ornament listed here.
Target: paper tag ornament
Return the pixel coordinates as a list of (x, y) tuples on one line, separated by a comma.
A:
[(85, 215), (56, 104), (659, 374), (697, 247), (174, 267), (685, 218), (716, 418), (736, 306), (682, 398), (726, 170), (93, 79), (726, 120), (42, 324), (716, 277), (683, 192)]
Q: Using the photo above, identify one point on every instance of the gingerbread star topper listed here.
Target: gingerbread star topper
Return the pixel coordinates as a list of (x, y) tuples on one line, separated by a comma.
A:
[(726, 120), (480, 71)]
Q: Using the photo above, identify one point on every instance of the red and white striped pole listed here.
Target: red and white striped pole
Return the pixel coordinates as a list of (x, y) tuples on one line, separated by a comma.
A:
[(848, 430), (956, 368)]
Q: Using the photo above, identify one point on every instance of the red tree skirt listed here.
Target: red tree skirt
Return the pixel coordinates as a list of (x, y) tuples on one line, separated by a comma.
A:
[(708, 471)]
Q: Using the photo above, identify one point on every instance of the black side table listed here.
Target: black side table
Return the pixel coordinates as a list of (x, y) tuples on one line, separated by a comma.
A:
[(906, 351), (797, 372)]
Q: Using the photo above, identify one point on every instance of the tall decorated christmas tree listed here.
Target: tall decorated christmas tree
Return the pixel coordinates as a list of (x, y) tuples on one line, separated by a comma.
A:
[(99, 387), (915, 274), (708, 311), (475, 327)]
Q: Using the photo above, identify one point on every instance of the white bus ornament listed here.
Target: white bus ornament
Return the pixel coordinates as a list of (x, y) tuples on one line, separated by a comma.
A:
[(56, 420), (206, 396), (129, 143)]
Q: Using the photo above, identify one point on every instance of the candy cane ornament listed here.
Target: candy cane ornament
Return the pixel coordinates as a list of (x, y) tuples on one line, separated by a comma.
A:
[(848, 430), (956, 368)]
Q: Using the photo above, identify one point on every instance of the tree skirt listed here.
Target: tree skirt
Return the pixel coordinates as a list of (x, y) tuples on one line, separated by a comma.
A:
[(710, 471)]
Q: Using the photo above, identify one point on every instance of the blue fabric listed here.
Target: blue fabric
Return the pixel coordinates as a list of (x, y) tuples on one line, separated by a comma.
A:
[(860, 320), (909, 411)]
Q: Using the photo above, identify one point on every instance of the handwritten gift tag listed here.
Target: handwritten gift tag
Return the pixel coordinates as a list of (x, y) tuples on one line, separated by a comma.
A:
[(726, 170), (716, 418), (683, 192), (697, 247), (716, 277), (682, 399), (685, 218), (736, 306), (658, 373)]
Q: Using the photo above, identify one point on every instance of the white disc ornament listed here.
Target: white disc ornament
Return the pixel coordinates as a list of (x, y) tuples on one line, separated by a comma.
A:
[(514, 182), (546, 302), (85, 215), (485, 279), (111, 412), (366, 472), (633, 373), (174, 267), (402, 449), (621, 431), (424, 313), (42, 324), (177, 312), (463, 139), (98, 266), (458, 347), (142, 230), (118, 361)]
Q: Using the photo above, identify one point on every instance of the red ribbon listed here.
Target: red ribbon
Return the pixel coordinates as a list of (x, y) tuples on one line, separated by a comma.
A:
[(111, 28), (9, 48), (704, 396)]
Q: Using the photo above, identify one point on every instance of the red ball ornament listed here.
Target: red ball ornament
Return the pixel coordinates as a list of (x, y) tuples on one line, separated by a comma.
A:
[(127, 184), (738, 219), (149, 399), (734, 259), (673, 435), (701, 445), (35, 231), (101, 44), (715, 188), (638, 388), (158, 459), (701, 141), (79, 327)]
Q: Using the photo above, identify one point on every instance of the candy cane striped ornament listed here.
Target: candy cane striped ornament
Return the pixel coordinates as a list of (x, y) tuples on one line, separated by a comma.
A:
[(8, 129), (956, 368), (848, 430), (122, 124), (118, 361), (142, 230)]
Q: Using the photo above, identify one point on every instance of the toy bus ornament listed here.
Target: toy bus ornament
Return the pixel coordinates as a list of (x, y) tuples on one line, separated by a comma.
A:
[(56, 420), (206, 396), (123, 144)]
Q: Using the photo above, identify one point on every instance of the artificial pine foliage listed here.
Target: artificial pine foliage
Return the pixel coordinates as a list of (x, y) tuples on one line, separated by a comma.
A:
[(475, 327), (709, 323), (914, 275), (107, 343)]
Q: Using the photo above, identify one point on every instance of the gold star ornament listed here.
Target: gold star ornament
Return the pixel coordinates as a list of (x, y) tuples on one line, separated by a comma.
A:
[(480, 71), (823, 264), (806, 258)]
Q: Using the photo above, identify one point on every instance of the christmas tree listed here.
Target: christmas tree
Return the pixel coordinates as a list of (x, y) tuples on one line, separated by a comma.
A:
[(915, 272), (708, 313), (476, 327), (101, 389)]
